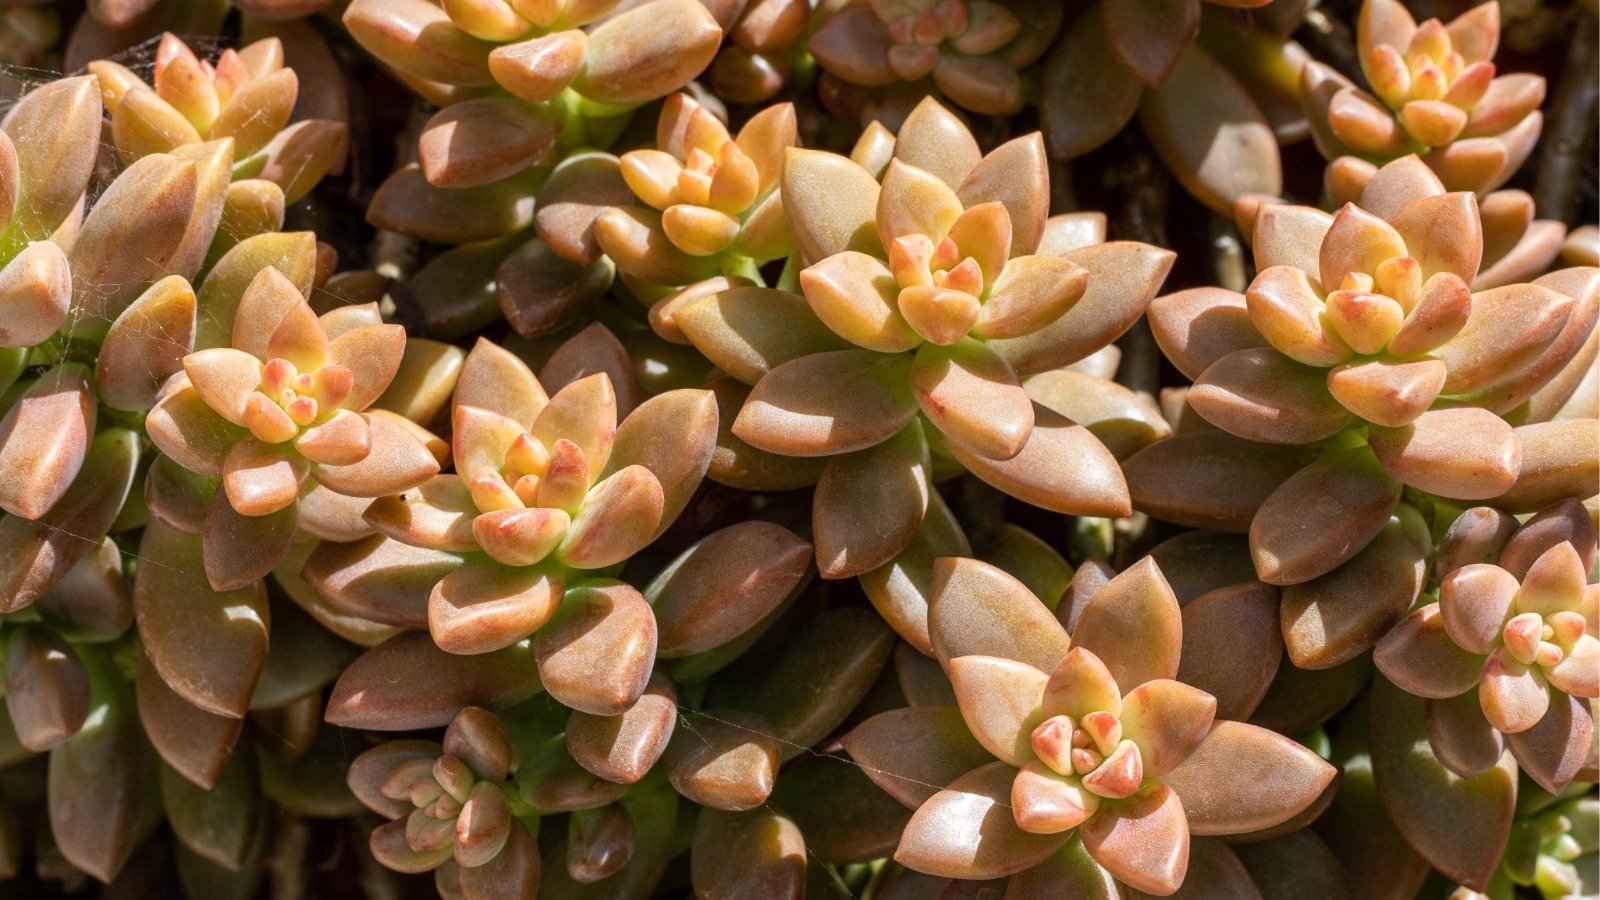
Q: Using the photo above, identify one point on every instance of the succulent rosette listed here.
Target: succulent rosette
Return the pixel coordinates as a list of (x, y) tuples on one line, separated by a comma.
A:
[(247, 95), (711, 200), (450, 802), (971, 50), (1104, 766), (1507, 656), (1366, 320), (514, 78), (469, 809), (1437, 95), (281, 410), (103, 322), (315, 582), (924, 306), (548, 495), (1516, 246)]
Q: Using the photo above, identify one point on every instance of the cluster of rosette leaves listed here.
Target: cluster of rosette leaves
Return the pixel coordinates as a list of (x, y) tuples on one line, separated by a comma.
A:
[(1437, 94), (1361, 345), (1083, 765), (263, 545), (119, 640), (926, 322)]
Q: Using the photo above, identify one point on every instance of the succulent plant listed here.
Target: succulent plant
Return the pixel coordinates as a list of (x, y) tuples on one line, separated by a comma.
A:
[(457, 808), (246, 95), (711, 200), (657, 448), (1413, 376), (1105, 764), (281, 409), (545, 490), (1523, 641), (514, 78), (917, 300), (1437, 95)]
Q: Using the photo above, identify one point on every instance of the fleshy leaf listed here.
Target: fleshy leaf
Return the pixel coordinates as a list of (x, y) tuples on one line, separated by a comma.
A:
[(1459, 825), (913, 752), (967, 830), (869, 504), (1144, 842), (1419, 656), (977, 609), (1245, 778), (485, 606), (1000, 700), (1134, 626), (1350, 496), (208, 645), (374, 692), (828, 403), (1336, 616), (721, 586)]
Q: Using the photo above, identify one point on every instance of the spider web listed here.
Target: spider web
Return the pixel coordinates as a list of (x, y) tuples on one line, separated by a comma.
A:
[(18, 81)]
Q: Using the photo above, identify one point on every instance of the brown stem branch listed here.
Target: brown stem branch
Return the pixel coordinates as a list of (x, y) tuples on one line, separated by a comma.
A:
[(1330, 42), (1145, 195), (1570, 126)]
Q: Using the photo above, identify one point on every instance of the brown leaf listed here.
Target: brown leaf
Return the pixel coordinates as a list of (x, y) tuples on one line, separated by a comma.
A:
[(724, 759), (1262, 395), (1092, 485), (44, 438), (1463, 453), (476, 142), (1336, 616), (1245, 778), (1134, 626), (967, 830), (596, 654), (624, 747), (977, 609), (725, 584), (1460, 826), (194, 743), (375, 691), (54, 131), (97, 789), (1232, 646), (1144, 843), (759, 853), (208, 645), (1208, 479), (39, 553), (47, 688), (1202, 122), (865, 398), (1348, 496), (648, 52), (485, 606)]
